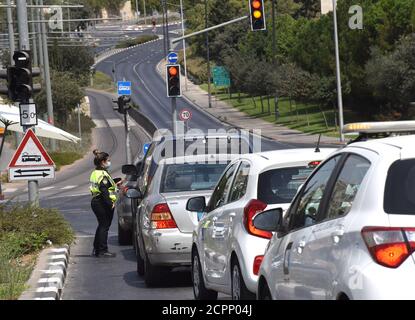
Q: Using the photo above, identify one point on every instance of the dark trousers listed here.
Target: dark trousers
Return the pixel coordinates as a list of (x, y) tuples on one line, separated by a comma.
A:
[(104, 216)]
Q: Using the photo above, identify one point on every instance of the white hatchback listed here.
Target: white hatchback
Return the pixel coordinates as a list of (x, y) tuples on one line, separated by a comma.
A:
[(350, 231), (227, 249)]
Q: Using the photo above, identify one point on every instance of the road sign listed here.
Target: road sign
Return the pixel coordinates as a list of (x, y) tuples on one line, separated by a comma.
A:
[(31, 161), (124, 88), (28, 114), (185, 115), (172, 58), (221, 77)]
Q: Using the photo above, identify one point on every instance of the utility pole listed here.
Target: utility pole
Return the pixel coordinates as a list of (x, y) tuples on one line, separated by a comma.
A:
[(48, 83), (338, 72), (24, 44), (11, 31), (208, 56), (79, 124), (184, 46), (33, 29), (145, 12), (164, 30), (39, 43), (274, 36)]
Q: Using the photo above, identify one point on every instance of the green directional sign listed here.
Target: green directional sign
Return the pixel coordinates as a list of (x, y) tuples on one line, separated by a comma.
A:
[(221, 77)]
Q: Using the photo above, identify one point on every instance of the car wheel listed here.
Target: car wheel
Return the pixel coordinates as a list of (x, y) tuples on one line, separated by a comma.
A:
[(153, 275), (199, 290), (239, 289), (124, 237)]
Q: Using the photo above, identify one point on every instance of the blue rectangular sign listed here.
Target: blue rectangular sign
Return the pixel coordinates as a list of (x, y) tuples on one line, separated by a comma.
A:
[(124, 88)]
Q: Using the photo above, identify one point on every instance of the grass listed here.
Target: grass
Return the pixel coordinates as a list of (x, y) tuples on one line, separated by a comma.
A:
[(308, 118), (102, 81), (64, 158), (133, 42), (24, 231)]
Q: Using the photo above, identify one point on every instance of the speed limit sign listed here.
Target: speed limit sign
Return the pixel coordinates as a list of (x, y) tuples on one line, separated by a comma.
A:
[(28, 114), (185, 115)]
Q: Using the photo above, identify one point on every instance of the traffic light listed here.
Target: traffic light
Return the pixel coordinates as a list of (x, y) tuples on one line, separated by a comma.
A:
[(19, 78), (123, 104), (173, 81), (257, 10)]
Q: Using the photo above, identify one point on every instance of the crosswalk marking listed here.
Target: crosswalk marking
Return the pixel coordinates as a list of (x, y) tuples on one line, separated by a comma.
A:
[(10, 190), (68, 187)]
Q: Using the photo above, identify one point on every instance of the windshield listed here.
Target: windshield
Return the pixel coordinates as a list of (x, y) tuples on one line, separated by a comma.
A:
[(400, 188), (281, 185), (190, 177)]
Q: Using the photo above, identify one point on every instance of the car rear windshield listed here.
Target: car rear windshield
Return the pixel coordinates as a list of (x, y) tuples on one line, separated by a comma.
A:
[(281, 185), (190, 177), (400, 188)]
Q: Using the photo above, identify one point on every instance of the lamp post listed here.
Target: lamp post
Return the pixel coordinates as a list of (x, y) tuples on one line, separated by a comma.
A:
[(208, 56), (338, 72)]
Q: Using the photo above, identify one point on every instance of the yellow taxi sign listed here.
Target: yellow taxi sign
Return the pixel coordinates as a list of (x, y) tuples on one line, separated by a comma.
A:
[(379, 127)]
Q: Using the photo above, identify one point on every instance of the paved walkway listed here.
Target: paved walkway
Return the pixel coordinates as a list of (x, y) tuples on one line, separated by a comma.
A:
[(228, 114)]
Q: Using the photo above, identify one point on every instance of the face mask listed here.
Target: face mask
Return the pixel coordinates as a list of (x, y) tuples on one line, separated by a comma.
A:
[(108, 164)]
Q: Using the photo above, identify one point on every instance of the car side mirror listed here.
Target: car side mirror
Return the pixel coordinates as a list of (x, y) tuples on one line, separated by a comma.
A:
[(130, 170), (270, 220), (197, 204), (134, 194)]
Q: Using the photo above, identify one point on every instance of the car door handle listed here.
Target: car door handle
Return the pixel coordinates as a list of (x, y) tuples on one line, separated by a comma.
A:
[(232, 214)]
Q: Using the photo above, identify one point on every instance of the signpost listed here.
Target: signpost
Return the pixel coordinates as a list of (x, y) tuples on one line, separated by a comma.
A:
[(172, 58), (124, 88), (31, 160), (28, 114), (221, 77), (185, 115)]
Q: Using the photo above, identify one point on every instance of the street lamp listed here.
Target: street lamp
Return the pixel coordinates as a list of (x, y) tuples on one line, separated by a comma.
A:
[(338, 72)]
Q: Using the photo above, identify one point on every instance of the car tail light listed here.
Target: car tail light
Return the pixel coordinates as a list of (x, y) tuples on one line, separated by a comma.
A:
[(389, 247), (251, 209), (161, 217), (257, 264)]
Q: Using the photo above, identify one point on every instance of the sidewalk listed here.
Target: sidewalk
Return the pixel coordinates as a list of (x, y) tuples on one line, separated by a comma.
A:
[(235, 118)]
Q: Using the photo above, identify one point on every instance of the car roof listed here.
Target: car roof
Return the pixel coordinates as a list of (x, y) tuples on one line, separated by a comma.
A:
[(200, 158), (168, 137), (288, 155), (405, 144)]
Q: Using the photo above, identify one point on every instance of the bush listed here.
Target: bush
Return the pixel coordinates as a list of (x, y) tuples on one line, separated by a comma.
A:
[(64, 158), (30, 227), (133, 42)]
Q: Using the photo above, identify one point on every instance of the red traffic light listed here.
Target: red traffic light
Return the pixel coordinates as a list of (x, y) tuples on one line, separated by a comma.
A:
[(257, 15), (256, 4), (173, 81), (173, 71)]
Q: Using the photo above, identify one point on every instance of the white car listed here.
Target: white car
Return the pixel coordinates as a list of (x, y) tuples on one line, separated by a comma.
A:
[(163, 227), (350, 231), (227, 249)]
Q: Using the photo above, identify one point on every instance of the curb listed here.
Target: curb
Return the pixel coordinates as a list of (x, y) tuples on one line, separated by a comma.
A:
[(48, 277)]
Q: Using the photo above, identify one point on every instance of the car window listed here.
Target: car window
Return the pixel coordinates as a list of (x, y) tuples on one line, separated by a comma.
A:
[(400, 188), (191, 177), (308, 204), (347, 185), (281, 185), (220, 194), (240, 183)]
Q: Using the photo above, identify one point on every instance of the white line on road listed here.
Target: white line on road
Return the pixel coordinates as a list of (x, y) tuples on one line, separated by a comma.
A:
[(46, 188), (68, 187), (11, 190)]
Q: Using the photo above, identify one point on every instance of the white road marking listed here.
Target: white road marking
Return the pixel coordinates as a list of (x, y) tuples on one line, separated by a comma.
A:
[(115, 123), (46, 188), (11, 190), (68, 187), (100, 123)]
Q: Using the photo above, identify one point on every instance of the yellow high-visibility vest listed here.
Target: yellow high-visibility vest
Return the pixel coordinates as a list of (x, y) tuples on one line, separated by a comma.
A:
[(95, 180)]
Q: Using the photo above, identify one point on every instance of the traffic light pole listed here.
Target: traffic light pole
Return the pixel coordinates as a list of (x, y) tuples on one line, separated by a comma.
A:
[(24, 44), (127, 138), (48, 83), (11, 31)]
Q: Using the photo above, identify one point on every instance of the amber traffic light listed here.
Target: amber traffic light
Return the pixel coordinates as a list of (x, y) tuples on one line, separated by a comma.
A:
[(256, 8), (173, 81)]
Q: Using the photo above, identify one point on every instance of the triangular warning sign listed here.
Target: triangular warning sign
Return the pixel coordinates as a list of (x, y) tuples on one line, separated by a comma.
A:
[(30, 153)]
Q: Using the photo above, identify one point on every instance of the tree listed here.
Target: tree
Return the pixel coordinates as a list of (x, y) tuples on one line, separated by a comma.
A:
[(66, 94)]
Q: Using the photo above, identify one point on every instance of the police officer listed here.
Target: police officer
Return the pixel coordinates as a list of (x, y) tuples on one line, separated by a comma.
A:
[(104, 196)]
